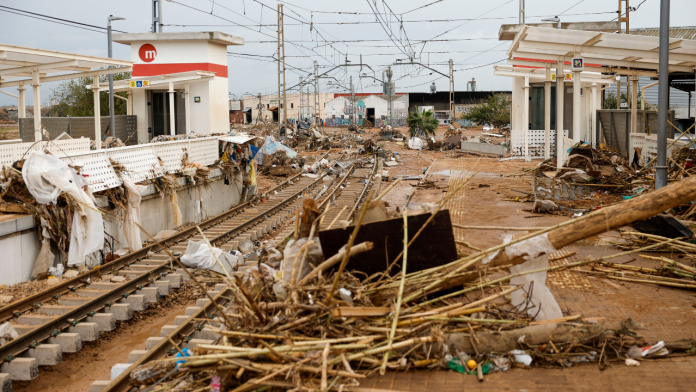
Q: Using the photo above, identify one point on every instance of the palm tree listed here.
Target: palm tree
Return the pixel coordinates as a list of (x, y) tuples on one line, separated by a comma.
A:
[(422, 123)]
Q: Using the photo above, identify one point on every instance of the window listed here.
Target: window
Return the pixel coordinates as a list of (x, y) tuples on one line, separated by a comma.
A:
[(281, 105), (268, 106), (292, 105)]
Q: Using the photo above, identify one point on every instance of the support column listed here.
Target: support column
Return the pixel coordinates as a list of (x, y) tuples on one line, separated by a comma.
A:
[(35, 82), (593, 114), (187, 106), (97, 112), (525, 119), (129, 103), (560, 151), (577, 106), (172, 118), (634, 104), (547, 112), (22, 104)]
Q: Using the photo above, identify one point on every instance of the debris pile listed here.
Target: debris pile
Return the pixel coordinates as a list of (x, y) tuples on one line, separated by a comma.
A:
[(317, 325)]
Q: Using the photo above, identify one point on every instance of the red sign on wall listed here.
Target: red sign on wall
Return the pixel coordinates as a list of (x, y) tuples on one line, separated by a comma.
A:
[(147, 53)]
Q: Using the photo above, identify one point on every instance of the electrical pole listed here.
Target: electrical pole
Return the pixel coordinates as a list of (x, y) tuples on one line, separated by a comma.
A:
[(157, 15), (662, 97), (522, 12), (352, 103), (299, 109), (97, 116), (453, 112), (623, 19), (316, 94), (389, 89), (281, 69), (259, 107)]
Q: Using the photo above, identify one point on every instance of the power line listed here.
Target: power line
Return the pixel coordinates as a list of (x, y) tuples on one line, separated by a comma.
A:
[(571, 7), (401, 21), (423, 6), (53, 19)]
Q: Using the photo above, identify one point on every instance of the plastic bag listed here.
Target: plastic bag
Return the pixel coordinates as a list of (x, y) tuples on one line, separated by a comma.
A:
[(415, 143), (314, 256), (46, 177), (522, 357), (57, 270), (131, 219)]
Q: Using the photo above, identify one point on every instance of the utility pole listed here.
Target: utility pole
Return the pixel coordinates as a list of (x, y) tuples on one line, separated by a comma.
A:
[(389, 90), (453, 111), (259, 107), (662, 97), (316, 94), (157, 15), (522, 12), (299, 109), (281, 69), (623, 19), (352, 103), (112, 128)]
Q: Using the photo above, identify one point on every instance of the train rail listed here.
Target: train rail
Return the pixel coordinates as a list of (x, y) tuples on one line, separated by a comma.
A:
[(349, 191), (60, 318)]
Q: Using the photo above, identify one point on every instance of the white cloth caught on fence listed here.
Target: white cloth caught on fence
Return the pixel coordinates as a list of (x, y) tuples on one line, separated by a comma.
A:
[(46, 177), (131, 218)]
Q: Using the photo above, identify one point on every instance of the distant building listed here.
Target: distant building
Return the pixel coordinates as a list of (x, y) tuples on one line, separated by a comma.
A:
[(237, 114), (372, 107)]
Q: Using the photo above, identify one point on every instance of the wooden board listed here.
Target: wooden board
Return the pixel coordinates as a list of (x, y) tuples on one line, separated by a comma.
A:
[(435, 246), (12, 208)]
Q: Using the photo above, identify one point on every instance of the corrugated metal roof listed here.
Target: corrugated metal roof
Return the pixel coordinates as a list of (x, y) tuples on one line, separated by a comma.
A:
[(686, 32)]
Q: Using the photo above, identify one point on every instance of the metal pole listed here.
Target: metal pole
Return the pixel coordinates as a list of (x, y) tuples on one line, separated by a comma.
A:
[(352, 103), (451, 86), (317, 108), (112, 128), (560, 76), (522, 12), (663, 97), (159, 15)]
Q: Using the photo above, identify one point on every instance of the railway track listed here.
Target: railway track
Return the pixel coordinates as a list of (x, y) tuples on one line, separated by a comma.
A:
[(193, 327), (61, 318)]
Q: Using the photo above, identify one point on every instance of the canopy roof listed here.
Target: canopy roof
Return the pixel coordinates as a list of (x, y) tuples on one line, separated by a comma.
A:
[(20, 61), (539, 74), (600, 50), (159, 82)]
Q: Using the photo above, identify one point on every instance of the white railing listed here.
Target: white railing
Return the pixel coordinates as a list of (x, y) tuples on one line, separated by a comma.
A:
[(141, 161)]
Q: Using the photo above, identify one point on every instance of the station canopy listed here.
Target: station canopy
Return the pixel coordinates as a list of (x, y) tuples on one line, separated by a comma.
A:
[(603, 52), (19, 63)]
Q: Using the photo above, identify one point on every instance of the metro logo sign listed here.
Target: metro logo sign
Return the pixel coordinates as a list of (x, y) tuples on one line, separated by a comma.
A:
[(147, 53)]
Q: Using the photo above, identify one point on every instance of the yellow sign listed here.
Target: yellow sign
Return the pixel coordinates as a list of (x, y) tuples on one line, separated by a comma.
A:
[(568, 77), (139, 83)]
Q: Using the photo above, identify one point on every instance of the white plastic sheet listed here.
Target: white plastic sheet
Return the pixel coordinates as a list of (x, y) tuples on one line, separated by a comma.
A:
[(536, 251), (314, 256), (270, 146), (131, 220), (415, 143), (198, 255), (46, 177)]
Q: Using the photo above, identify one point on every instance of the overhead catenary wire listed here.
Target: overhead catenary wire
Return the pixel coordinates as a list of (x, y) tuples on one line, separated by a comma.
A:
[(402, 21), (54, 19)]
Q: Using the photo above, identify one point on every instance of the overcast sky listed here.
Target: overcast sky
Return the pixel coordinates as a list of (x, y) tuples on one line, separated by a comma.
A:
[(472, 44)]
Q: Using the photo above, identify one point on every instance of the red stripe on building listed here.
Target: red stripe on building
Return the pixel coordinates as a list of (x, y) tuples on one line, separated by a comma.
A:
[(140, 70)]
